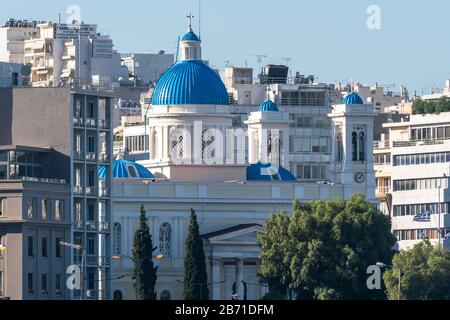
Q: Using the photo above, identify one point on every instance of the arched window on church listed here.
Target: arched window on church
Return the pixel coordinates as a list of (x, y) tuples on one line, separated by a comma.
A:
[(117, 295), (176, 143), (165, 239), (362, 147), (117, 238), (155, 145), (208, 139), (355, 146), (339, 145), (165, 295)]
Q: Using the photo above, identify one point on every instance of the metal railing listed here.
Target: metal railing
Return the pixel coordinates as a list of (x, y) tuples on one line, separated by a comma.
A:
[(91, 225), (42, 180), (91, 156), (103, 192), (103, 158), (103, 227), (91, 122), (78, 156), (78, 190), (91, 191), (384, 190), (377, 145), (78, 224), (77, 121), (403, 144), (103, 124)]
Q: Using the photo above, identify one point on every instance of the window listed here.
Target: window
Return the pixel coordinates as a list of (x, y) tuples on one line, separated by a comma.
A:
[(165, 295), (58, 248), (91, 281), (59, 209), (91, 144), (91, 247), (117, 238), (2, 207), (91, 212), (58, 286), (44, 247), (165, 239), (30, 246), (31, 207), (117, 295), (44, 209), (355, 146), (44, 284), (362, 147), (30, 283)]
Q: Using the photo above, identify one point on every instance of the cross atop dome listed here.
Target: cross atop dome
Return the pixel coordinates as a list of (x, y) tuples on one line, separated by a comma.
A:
[(190, 17)]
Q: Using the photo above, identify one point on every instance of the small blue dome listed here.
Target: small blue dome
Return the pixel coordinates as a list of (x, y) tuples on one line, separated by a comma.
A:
[(190, 36), (352, 98), (268, 105), (190, 82), (267, 172), (123, 169)]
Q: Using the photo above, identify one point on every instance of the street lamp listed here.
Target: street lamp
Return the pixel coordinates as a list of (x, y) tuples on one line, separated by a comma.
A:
[(2, 247), (83, 255), (386, 266)]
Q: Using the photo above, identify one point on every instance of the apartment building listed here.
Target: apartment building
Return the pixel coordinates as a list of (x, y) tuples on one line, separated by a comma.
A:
[(34, 220), (72, 53), (147, 67), (74, 124), (13, 34), (413, 171)]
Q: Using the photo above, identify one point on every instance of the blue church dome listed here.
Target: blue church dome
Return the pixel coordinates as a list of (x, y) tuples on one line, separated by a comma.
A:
[(268, 105), (352, 98), (190, 82), (123, 169), (267, 172), (190, 36)]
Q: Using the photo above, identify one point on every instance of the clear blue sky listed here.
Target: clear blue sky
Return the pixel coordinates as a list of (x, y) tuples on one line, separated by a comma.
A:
[(327, 38)]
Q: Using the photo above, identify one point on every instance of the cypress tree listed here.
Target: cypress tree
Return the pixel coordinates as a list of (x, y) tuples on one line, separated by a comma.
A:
[(196, 278), (144, 269)]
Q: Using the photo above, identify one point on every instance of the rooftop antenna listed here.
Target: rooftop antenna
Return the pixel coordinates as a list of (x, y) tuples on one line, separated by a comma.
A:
[(259, 60), (59, 18), (288, 60)]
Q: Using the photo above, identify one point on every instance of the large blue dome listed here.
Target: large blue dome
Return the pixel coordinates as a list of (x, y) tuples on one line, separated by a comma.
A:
[(123, 169), (190, 82), (268, 172), (353, 98)]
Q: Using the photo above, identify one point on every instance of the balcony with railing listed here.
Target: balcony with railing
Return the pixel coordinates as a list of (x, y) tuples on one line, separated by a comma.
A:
[(381, 145), (91, 191), (103, 158), (383, 191), (78, 190), (78, 121), (78, 156), (103, 124), (103, 192), (411, 143), (91, 225), (91, 123), (78, 225), (104, 227), (91, 156)]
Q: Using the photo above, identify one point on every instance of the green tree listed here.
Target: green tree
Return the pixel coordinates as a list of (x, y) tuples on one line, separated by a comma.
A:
[(142, 254), (196, 278), (425, 274), (322, 251)]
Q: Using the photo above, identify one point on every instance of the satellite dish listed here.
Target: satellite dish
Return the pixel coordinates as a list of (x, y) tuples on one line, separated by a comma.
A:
[(25, 71)]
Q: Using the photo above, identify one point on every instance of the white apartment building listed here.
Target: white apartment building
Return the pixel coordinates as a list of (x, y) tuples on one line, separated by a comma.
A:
[(13, 34), (63, 53), (376, 95), (147, 67), (413, 170)]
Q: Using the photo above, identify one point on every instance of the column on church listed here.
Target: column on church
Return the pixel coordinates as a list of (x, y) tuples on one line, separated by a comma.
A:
[(240, 278), (217, 279)]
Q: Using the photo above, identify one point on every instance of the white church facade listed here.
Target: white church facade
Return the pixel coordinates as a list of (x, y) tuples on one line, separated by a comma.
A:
[(196, 160)]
